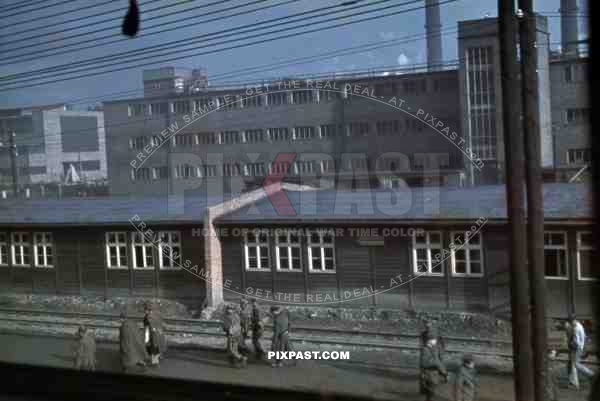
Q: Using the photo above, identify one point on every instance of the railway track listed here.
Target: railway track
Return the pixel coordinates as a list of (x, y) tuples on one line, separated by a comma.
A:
[(186, 328)]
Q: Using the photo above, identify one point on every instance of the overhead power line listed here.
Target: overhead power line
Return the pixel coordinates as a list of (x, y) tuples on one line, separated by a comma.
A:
[(32, 3), (36, 55), (176, 44), (388, 14), (60, 32)]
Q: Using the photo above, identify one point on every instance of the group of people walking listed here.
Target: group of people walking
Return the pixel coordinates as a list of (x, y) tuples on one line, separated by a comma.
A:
[(137, 349), (247, 322)]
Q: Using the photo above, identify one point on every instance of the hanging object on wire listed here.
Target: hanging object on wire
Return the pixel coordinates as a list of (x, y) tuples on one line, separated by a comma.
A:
[(131, 22)]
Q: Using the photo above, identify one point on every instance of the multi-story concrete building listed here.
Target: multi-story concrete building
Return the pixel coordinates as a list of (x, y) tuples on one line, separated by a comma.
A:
[(571, 108), (168, 81), (336, 138), (49, 141)]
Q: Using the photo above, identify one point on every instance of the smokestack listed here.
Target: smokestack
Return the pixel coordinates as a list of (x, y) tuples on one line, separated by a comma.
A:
[(568, 26), (433, 26)]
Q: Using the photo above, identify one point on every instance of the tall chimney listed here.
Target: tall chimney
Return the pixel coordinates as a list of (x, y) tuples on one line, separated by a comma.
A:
[(433, 26), (568, 27)]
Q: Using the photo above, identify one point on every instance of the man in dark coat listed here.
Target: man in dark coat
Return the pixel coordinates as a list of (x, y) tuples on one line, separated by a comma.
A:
[(245, 318), (233, 331), (281, 333), (257, 326), (154, 336), (85, 354), (467, 384), (132, 349), (431, 369)]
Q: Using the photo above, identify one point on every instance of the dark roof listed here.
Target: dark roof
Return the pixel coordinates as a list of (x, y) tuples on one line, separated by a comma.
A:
[(561, 201), (107, 210)]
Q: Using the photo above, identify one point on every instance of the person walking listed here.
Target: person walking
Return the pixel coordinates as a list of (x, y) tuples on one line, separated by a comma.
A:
[(131, 345), (576, 350), (467, 384), (233, 331), (432, 369), (257, 327), (85, 354), (154, 337), (281, 330)]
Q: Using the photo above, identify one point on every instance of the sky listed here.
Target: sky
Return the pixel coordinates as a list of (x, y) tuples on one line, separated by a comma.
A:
[(23, 31)]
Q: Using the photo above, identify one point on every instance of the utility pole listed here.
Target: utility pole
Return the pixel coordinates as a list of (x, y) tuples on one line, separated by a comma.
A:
[(535, 202), (515, 199), (13, 164)]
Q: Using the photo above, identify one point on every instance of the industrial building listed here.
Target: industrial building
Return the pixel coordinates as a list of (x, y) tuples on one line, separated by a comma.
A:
[(425, 248), (52, 142), (244, 135)]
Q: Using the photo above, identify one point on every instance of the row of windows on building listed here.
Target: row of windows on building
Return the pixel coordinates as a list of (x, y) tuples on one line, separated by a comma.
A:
[(413, 87), (579, 115), (301, 167), (281, 134), (142, 253), (465, 261), (576, 73), (165, 252), (579, 156)]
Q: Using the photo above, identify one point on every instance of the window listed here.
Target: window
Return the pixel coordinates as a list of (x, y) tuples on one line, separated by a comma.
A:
[(256, 246), (186, 139), (279, 168), (254, 169), (143, 257), (279, 134), (278, 98), (328, 166), (359, 129), (579, 156), (160, 173), (141, 142), (388, 127), (427, 250), (209, 170), (207, 138), (228, 103), (230, 137), (116, 250), (392, 182), (304, 133), (43, 255), (253, 136), (303, 167), (321, 255), (202, 104), (288, 252), (169, 249), (578, 116), (252, 101), (181, 107), (159, 108), (329, 131), (327, 96), (569, 73), (466, 256), (585, 268), (134, 110), (20, 249), (186, 171), (140, 174), (357, 164), (555, 255), (231, 170), (302, 97), (3, 249)]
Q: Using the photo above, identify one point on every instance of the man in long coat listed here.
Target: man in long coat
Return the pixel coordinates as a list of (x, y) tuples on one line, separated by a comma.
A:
[(233, 331), (466, 385), (131, 345), (281, 333), (432, 369), (154, 337), (257, 326), (85, 354)]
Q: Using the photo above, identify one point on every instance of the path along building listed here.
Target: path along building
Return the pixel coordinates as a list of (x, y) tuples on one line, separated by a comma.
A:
[(415, 248)]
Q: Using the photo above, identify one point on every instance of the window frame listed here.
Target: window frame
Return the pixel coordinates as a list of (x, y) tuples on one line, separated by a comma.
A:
[(22, 245), (468, 247), (322, 246), (45, 244), (287, 246), (144, 244), (117, 245), (564, 248), (580, 248), (258, 245), (170, 243), (4, 245), (427, 246)]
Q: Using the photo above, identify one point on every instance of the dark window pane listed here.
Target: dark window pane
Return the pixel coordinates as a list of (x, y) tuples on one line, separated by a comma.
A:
[(460, 267)]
